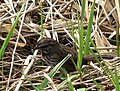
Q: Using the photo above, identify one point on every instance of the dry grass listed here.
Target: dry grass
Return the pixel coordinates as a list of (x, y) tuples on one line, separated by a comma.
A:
[(58, 18)]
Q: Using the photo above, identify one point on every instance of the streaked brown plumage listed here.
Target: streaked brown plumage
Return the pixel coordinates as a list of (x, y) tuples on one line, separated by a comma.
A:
[(53, 52)]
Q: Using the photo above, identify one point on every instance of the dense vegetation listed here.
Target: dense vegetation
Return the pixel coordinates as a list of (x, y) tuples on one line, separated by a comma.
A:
[(90, 27)]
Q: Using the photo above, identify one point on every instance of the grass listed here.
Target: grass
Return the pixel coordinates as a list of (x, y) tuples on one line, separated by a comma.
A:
[(2, 50), (53, 72), (85, 25), (81, 35)]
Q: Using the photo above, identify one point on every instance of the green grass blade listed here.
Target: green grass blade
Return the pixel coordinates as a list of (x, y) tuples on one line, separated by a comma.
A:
[(53, 72), (83, 10), (116, 80), (80, 50), (70, 86), (88, 33), (2, 50), (81, 34)]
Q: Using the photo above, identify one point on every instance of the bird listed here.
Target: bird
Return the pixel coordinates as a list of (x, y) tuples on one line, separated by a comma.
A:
[(53, 52)]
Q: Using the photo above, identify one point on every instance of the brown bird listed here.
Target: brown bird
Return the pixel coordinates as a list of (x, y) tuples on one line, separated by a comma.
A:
[(53, 52)]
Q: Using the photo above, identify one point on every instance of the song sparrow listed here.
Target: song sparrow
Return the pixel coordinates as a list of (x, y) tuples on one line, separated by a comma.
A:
[(53, 52)]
